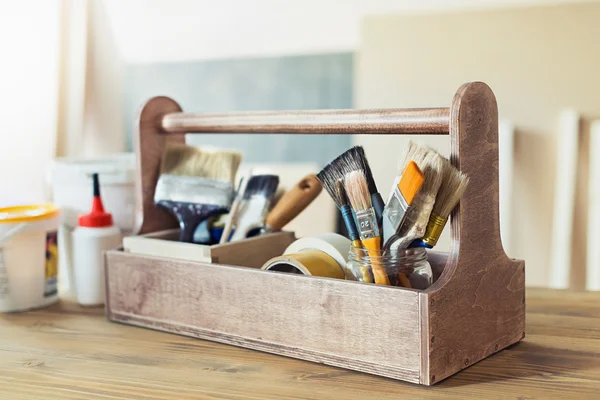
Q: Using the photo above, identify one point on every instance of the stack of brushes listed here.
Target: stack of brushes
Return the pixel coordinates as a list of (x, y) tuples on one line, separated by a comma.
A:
[(425, 192)]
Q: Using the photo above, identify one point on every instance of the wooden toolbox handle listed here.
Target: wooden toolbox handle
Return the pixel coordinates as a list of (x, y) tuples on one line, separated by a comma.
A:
[(471, 121)]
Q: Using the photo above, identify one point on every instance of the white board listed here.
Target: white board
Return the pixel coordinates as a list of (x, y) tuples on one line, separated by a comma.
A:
[(506, 134), (593, 235), (564, 198)]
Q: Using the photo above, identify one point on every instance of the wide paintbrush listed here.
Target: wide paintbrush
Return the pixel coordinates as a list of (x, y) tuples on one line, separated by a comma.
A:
[(195, 184)]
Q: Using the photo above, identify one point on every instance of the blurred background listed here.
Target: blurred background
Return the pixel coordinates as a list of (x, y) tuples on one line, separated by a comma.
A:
[(76, 72)]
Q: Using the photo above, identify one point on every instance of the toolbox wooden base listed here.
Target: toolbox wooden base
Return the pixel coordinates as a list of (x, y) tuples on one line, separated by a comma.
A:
[(474, 309)]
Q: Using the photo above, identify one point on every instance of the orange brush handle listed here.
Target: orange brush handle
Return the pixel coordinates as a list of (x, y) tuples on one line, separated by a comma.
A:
[(366, 274), (373, 246)]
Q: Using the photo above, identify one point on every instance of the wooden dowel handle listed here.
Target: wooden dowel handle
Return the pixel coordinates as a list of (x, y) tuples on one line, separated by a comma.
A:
[(294, 202), (435, 121)]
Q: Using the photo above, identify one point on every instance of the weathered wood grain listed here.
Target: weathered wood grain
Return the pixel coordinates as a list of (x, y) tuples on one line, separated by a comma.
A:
[(70, 352), (252, 252), (477, 306), (392, 121), (330, 321), (474, 309), (149, 144)]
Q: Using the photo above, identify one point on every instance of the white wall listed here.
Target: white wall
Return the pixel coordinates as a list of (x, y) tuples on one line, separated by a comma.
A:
[(535, 69), (171, 30), (29, 39)]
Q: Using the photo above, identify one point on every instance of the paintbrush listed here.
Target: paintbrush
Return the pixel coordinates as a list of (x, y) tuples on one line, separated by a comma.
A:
[(232, 217), (348, 217), (400, 201), (329, 178), (293, 202), (334, 185), (254, 205), (417, 217), (453, 186), (195, 184), (354, 159), (357, 190)]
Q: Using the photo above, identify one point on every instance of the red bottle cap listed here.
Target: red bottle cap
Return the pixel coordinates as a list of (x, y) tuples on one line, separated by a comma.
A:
[(97, 218)]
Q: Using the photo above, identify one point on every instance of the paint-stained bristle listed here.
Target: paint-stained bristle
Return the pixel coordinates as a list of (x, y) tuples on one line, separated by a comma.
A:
[(357, 190), (328, 178), (416, 152), (453, 187), (357, 153), (340, 193), (353, 159), (433, 172), (180, 159), (411, 182), (261, 185)]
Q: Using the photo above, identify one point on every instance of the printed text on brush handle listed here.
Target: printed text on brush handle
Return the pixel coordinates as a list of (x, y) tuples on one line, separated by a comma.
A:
[(367, 223)]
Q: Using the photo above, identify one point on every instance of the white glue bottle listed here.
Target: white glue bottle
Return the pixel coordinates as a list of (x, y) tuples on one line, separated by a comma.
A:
[(94, 235)]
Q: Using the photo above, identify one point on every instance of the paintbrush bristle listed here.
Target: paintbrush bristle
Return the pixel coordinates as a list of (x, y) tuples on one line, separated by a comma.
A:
[(261, 185), (328, 177), (357, 153), (180, 159), (453, 187), (357, 190), (433, 171), (411, 182), (353, 159), (416, 152), (340, 193)]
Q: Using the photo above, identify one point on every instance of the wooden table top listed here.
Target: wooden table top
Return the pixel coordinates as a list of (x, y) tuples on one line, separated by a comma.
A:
[(70, 352)]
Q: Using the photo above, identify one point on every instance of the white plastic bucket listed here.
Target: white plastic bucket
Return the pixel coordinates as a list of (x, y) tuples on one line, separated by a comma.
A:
[(28, 257)]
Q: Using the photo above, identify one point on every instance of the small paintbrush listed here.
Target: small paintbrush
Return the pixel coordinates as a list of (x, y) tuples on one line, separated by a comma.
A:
[(348, 217), (254, 205), (195, 184), (354, 159), (334, 186), (357, 190), (453, 187), (401, 199)]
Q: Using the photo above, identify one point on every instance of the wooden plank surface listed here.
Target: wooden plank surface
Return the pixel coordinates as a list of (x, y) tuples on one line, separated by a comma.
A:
[(70, 352), (330, 321)]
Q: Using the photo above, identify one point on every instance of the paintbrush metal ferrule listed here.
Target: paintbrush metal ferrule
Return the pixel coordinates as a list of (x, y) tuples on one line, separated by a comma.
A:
[(366, 222), (394, 214), (196, 190), (435, 226)]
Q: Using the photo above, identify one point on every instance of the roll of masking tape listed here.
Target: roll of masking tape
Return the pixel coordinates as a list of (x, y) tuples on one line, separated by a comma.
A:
[(322, 255)]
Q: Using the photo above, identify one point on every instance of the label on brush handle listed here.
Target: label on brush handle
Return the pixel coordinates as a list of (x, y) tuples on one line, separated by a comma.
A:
[(366, 222)]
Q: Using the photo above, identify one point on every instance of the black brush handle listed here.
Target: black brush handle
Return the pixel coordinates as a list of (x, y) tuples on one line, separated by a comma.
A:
[(190, 215), (378, 206)]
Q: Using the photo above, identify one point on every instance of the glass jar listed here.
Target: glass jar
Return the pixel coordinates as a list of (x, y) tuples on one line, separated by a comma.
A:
[(402, 267)]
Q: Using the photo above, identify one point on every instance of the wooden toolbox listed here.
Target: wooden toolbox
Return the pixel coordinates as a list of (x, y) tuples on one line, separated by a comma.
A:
[(475, 308)]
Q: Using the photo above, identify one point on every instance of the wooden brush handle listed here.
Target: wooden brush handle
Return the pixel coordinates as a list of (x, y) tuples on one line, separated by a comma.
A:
[(294, 202)]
